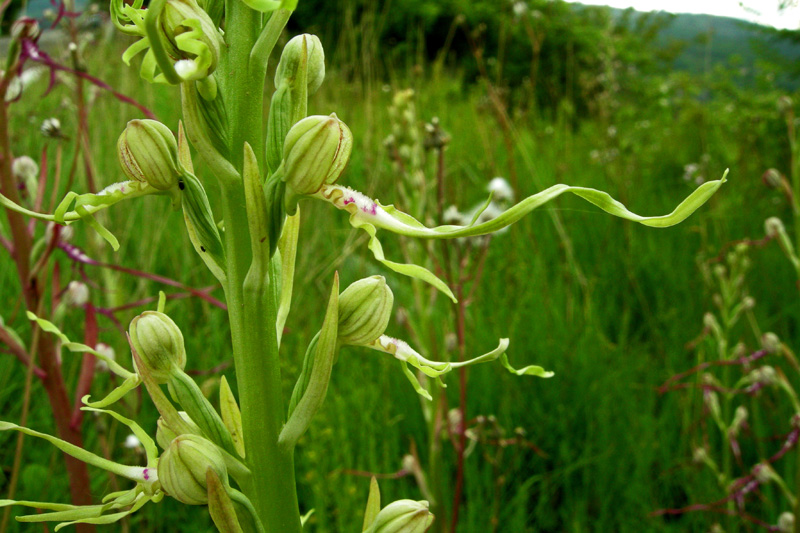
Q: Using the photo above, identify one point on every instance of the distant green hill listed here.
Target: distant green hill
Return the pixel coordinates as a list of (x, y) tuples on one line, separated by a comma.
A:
[(711, 40)]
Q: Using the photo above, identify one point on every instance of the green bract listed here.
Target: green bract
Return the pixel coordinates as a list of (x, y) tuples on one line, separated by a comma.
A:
[(159, 343)]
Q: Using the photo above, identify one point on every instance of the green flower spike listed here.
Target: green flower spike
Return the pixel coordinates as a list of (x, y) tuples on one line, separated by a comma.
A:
[(370, 215), (115, 506), (408, 356)]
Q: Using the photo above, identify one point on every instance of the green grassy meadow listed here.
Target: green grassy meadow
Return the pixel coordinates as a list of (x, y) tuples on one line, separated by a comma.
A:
[(607, 305)]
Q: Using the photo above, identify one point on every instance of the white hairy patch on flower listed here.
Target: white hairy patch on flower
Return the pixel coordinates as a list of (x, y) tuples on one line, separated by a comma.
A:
[(370, 211), (186, 68)]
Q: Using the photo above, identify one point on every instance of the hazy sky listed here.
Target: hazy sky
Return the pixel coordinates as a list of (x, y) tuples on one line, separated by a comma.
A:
[(761, 11)]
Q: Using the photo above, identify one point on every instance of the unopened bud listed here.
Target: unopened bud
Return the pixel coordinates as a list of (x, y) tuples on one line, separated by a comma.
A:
[(25, 28), (699, 455), (148, 152), (165, 434), (315, 152), (364, 310), (25, 169), (786, 522), (76, 295), (773, 227), (402, 516), (51, 128), (182, 468), (772, 178), (292, 57), (711, 400), (785, 104), (739, 418), (763, 473), (770, 342), (748, 302), (159, 343)]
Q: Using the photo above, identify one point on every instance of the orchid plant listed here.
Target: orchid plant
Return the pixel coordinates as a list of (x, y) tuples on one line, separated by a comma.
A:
[(239, 460)]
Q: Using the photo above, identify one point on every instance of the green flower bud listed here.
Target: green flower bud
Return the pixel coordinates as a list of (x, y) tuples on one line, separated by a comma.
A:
[(159, 343), (364, 310), (148, 152), (402, 516), (291, 59), (315, 152), (772, 178), (165, 434), (770, 342), (174, 22), (182, 468)]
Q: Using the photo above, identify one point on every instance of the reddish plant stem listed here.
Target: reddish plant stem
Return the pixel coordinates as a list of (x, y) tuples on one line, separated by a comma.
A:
[(87, 367), (462, 406), (53, 380), (18, 351)]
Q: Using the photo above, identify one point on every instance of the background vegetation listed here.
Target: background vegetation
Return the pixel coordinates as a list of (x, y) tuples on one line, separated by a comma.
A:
[(551, 94)]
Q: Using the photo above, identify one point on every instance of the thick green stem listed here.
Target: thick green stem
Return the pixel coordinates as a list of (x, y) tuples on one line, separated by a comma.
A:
[(252, 317), (252, 312)]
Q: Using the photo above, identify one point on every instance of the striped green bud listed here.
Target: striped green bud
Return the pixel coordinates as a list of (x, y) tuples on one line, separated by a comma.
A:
[(364, 311), (292, 61), (159, 343), (148, 152), (402, 516), (182, 468), (315, 153)]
